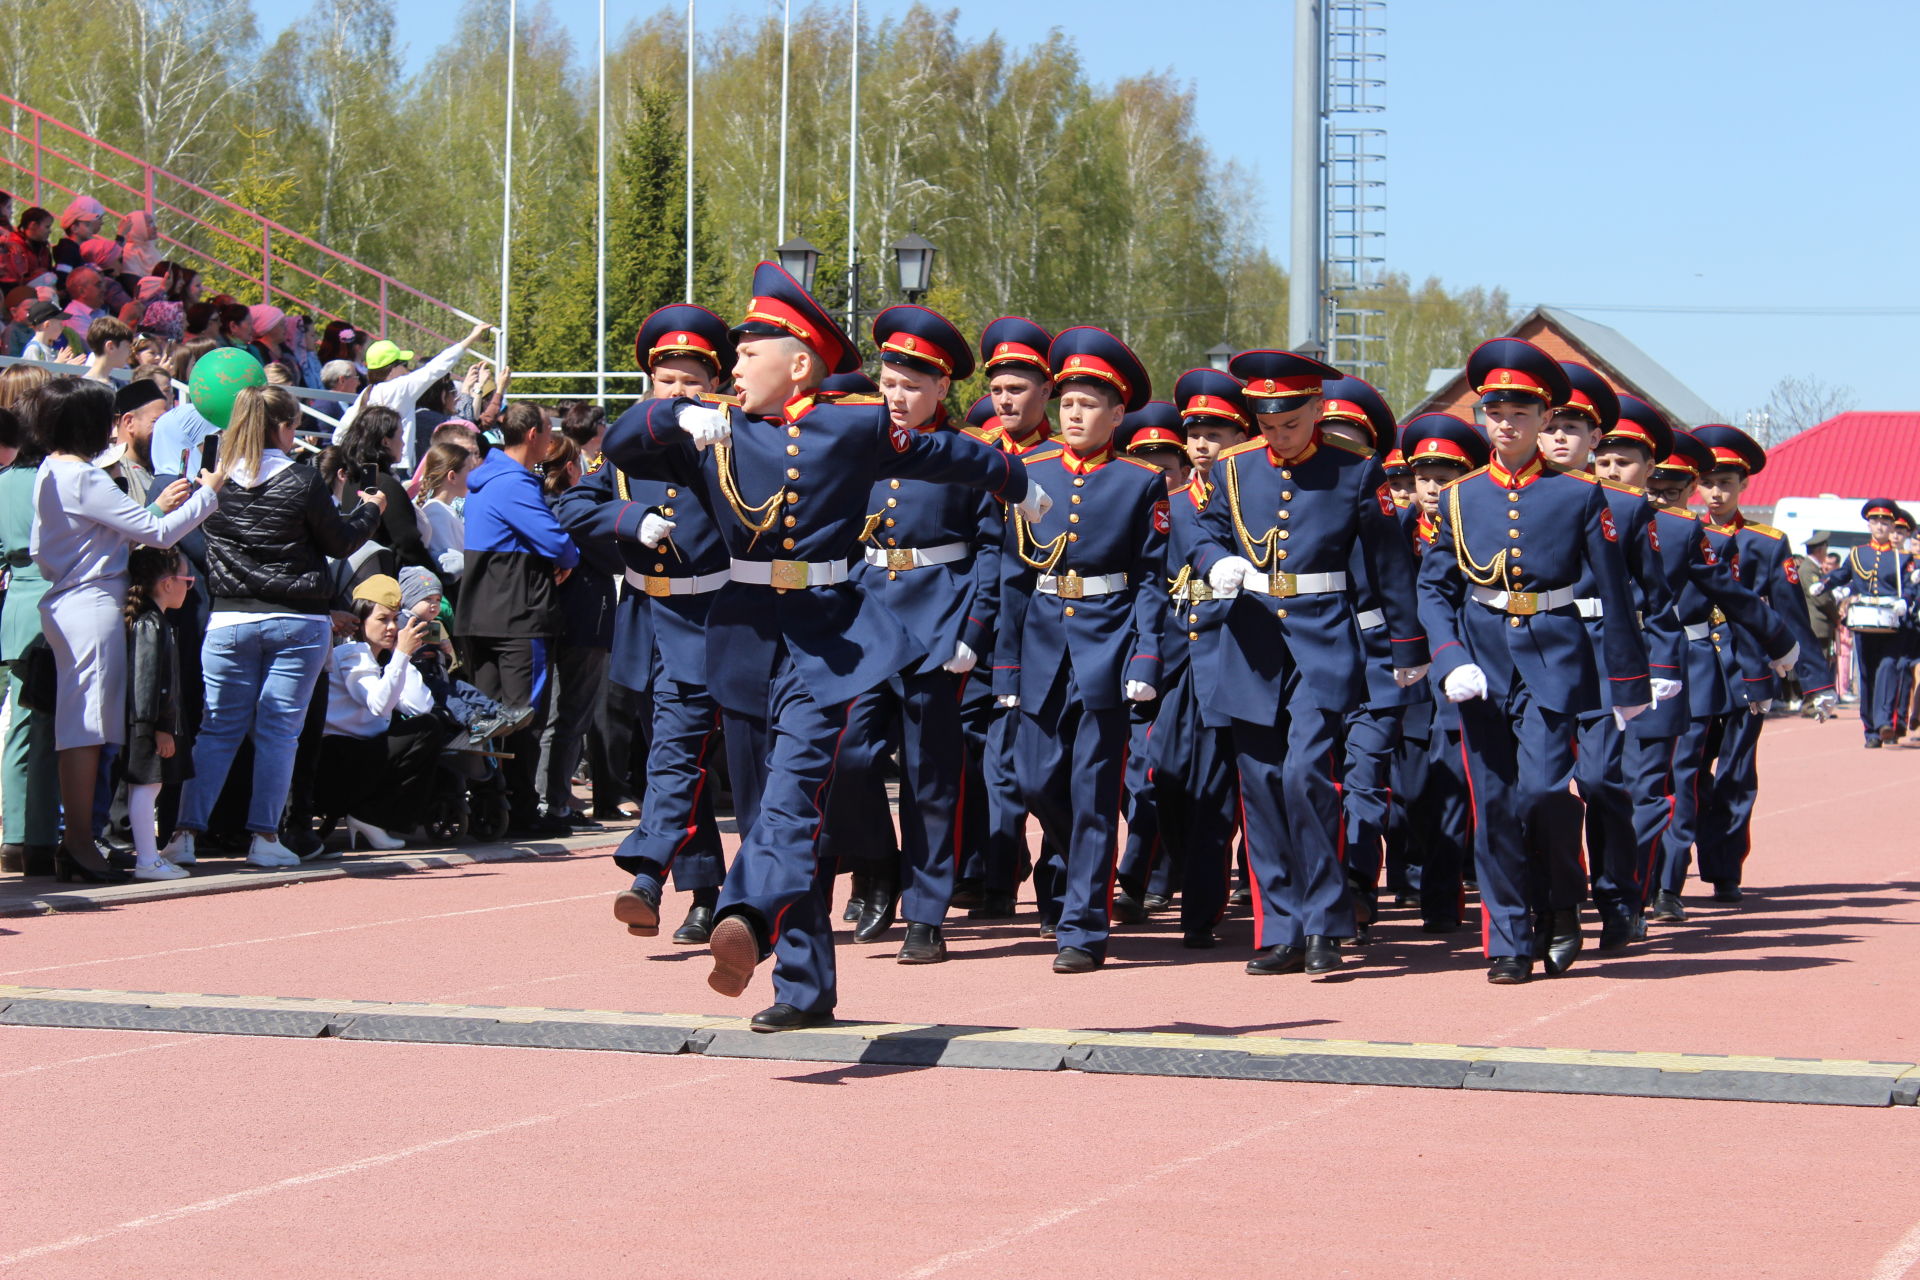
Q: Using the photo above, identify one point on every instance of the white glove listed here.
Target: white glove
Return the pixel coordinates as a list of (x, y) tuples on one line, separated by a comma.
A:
[(962, 660), (1825, 702), (452, 562), (1783, 666), (705, 424), (1664, 689), (1140, 691), (1623, 714), (654, 530), (1407, 676), (1036, 504), (1819, 588), (1465, 683), (1227, 574), (1007, 700), (1765, 705)]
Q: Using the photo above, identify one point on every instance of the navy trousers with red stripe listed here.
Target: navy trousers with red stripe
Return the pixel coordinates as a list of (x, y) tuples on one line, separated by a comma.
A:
[(781, 765), (1291, 809), (920, 715), (1072, 759), (677, 831), (1527, 842)]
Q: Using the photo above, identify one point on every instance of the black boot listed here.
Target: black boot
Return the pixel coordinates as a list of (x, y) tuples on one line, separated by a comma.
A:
[(924, 945), (856, 898), (879, 912), (1563, 941)]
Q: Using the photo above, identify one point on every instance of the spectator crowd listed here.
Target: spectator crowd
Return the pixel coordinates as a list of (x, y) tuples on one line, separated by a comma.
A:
[(234, 623)]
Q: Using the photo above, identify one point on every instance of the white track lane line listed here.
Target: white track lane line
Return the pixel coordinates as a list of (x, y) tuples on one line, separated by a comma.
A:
[(1899, 1261), (95, 1057)]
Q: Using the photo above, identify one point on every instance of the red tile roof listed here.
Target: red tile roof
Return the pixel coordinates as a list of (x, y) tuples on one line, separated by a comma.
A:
[(1855, 455)]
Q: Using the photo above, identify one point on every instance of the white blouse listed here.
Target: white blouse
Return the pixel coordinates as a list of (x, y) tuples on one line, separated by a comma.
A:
[(363, 695)]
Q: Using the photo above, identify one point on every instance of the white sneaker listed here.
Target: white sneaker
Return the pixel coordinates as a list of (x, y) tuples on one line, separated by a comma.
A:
[(374, 836), (267, 851), (179, 850), (160, 871)]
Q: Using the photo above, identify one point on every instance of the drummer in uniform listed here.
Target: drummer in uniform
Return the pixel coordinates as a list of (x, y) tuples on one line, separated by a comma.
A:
[(1874, 584)]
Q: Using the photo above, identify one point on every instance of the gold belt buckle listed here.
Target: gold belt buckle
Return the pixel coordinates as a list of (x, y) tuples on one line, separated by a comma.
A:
[(789, 575), (1283, 585), (657, 586), (899, 558), (1067, 586), (1523, 604), (1198, 591)]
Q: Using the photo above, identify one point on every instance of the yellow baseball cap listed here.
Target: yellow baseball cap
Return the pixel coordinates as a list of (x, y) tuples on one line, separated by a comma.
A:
[(380, 589), (383, 353)]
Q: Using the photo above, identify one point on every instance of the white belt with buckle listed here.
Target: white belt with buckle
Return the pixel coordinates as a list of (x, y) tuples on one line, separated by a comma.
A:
[(659, 585), (788, 575), (1524, 604), (1071, 586), (1371, 620), (900, 559), (1698, 630), (1287, 585)]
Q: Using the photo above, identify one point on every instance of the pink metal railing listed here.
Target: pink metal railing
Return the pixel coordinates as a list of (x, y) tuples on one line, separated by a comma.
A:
[(146, 186)]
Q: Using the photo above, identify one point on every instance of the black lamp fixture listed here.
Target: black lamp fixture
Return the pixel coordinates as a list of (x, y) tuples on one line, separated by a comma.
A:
[(798, 259), (913, 256), (1220, 356)]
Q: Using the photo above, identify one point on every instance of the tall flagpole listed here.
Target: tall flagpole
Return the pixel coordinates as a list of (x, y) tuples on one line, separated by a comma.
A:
[(600, 231), (689, 289), (853, 184), (786, 51), (506, 196)]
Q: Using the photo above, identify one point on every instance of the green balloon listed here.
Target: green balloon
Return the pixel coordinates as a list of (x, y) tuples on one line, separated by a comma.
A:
[(218, 377)]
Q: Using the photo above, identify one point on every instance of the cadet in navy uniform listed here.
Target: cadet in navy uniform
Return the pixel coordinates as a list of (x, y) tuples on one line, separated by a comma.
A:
[(1766, 565), (1709, 605), (932, 556), (1518, 544), (1145, 876), (1301, 527), (1615, 861), (675, 562), (788, 479), (1876, 574), (1439, 449), (1088, 640), (1013, 355), (1352, 408)]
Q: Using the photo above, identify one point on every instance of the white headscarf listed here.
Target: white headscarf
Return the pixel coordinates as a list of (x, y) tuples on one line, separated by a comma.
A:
[(139, 255)]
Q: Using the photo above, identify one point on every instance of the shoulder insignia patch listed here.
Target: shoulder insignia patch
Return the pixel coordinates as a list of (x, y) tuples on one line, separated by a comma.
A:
[(1239, 449), (1792, 566), (1346, 445), (1384, 494), (1617, 487), (1144, 466), (1653, 534), (1767, 531), (1578, 475), (1044, 455), (1162, 518), (1479, 471), (1682, 512), (984, 437), (901, 438), (714, 397), (1607, 526), (859, 398)]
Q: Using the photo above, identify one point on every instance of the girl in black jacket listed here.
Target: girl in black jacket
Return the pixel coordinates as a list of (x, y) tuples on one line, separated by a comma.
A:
[(159, 741)]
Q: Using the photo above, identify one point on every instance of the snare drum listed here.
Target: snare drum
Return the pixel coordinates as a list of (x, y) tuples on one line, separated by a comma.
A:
[(1873, 615)]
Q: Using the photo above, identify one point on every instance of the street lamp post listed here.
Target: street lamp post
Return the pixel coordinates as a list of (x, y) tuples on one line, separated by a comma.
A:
[(913, 259), (1220, 356), (799, 258)]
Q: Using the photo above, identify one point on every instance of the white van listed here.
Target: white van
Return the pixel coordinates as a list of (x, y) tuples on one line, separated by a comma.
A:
[(1800, 518)]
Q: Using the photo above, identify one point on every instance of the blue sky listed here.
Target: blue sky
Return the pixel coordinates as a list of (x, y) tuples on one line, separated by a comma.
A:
[(1645, 154)]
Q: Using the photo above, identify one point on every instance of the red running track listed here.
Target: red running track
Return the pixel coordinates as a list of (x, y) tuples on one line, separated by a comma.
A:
[(140, 1154)]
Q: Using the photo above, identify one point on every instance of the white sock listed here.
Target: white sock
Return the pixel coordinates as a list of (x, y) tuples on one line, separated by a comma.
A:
[(142, 798)]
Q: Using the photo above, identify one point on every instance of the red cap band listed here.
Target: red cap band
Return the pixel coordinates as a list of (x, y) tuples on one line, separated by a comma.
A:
[(1016, 353), (1439, 449), (908, 344), (1085, 366), (1213, 407), (1305, 384), (1514, 380), (682, 341), (1729, 458), (1155, 437)]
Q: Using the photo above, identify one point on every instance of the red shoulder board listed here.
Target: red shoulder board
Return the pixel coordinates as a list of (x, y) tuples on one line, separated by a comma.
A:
[(1793, 570), (1653, 535), (1606, 525), (900, 436), (1162, 521), (1385, 496)]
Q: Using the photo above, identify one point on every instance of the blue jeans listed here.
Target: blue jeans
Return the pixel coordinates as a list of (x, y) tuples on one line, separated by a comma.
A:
[(259, 678)]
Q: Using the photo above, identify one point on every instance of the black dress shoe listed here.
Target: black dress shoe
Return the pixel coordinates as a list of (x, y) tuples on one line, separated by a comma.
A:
[(857, 894), (579, 821), (1199, 940), (1156, 902), (878, 913), (1440, 924), (1362, 935), (697, 928), (1406, 899), (1074, 960), (968, 893), (1564, 941), (1046, 928), (1323, 954), (994, 906), (1281, 959), (1240, 898), (1874, 744), (1127, 908), (1616, 931), (1507, 971), (924, 945), (639, 910), (1667, 909), (784, 1017), (1726, 891)]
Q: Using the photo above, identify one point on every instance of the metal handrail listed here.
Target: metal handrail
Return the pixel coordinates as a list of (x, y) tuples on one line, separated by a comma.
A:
[(149, 199)]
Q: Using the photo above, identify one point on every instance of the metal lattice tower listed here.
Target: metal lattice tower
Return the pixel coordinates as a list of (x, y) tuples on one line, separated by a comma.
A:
[(1353, 182)]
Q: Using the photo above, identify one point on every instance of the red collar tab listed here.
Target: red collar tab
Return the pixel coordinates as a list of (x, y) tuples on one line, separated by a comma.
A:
[(1079, 466), (1517, 479), (1425, 527), (799, 406), (1026, 444), (1879, 546)]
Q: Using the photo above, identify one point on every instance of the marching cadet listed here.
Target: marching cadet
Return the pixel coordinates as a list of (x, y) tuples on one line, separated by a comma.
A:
[(1764, 565), (1615, 860), (1663, 747), (1012, 354), (1351, 408), (1301, 527), (932, 556), (1873, 584), (1439, 449), (787, 479), (675, 562), (1088, 640), (1145, 874), (1399, 476), (1518, 544)]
